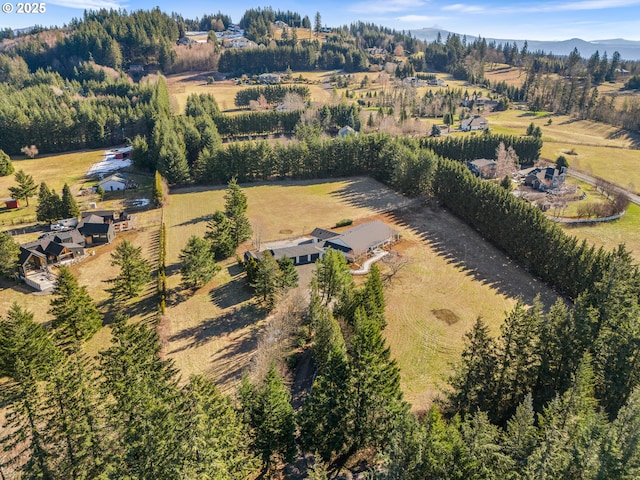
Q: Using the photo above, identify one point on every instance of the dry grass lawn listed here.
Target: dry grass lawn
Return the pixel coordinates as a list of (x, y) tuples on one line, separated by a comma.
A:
[(215, 330)]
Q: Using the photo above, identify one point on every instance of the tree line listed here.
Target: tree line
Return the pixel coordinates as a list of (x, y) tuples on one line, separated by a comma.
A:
[(273, 94)]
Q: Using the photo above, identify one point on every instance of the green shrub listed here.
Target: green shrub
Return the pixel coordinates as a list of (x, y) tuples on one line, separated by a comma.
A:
[(344, 222)]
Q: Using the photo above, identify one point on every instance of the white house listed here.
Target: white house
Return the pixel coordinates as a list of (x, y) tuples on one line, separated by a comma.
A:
[(474, 123), (113, 183)]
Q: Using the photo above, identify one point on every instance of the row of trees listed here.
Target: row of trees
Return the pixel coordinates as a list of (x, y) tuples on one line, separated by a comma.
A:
[(273, 94)]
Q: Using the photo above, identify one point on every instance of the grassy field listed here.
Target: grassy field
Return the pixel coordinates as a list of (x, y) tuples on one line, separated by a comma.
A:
[(55, 170), (609, 235), (216, 329), (595, 148)]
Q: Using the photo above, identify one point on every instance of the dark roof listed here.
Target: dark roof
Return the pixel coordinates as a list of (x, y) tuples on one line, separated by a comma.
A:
[(361, 238), (100, 213), (322, 234), (70, 236), (92, 219), (96, 228), (25, 253), (53, 248), (296, 251)]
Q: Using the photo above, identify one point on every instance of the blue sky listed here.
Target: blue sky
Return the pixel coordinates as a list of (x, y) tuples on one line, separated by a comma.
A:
[(531, 20)]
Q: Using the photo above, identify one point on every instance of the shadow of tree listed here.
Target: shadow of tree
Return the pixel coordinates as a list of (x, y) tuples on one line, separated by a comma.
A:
[(194, 221), (231, 322), (465, 249), (362, 192), (231, 293)]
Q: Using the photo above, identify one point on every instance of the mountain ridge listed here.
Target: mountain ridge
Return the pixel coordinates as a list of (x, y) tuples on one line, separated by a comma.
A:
[(628, 49)]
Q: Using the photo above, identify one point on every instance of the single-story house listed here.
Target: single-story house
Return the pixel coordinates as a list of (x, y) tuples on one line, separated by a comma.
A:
[(300, 254), (354, 243), (474, 123), (321, 234), (113, 183), (363, 239), (438, 82), (483, 167)]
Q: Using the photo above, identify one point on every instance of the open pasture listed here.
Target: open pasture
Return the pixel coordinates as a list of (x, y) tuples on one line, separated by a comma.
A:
[(450, 277)]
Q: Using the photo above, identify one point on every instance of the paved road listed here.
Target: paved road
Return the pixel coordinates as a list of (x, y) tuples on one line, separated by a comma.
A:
[(592, 181)]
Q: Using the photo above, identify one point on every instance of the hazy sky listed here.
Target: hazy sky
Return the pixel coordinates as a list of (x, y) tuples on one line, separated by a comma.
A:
[(532, 20)]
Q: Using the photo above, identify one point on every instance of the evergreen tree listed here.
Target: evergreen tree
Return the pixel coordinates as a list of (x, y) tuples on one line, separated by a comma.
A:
[(288, 277), (521, 436), (620, 456), (473, 379), (69, 206), (6, 166), (267, 280), (217, 441), (198, 263), (26, 187), (377, 399), (49, 207), (27, 355), (220, 235), (75, 316), (144, 404), (9, 252), (76, 426), (326, 419), (235, 208), (332, 275), (135, 271), (172, 162), (267, 410), (158, 193)]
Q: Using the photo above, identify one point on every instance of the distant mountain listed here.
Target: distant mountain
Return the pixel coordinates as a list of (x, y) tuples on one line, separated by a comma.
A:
[(629, 49)]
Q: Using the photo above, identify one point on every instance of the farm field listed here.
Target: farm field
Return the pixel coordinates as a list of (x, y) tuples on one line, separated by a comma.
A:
[(447, 269), (588, 146), (609, 235)]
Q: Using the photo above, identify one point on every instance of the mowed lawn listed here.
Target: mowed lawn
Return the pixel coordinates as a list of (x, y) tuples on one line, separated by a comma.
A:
[(609, 235), (215, 330)]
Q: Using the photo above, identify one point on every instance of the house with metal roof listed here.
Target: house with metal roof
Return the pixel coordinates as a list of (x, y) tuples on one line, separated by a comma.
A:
[(363, 239)]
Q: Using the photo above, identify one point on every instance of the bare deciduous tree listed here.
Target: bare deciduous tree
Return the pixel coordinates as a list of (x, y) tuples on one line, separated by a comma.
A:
[(30, 152)]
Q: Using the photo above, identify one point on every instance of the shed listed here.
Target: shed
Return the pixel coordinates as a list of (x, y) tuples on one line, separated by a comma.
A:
[(12, 203)]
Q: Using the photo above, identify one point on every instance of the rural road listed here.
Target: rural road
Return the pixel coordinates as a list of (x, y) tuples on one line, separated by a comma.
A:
[(592, 181)]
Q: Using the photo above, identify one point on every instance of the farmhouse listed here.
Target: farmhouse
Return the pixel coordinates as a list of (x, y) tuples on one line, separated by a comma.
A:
[(113, 183), (474, 123)]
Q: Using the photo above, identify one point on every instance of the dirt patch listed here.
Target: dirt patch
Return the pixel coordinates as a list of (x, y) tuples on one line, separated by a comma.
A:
[(286, 231), (447, 316)]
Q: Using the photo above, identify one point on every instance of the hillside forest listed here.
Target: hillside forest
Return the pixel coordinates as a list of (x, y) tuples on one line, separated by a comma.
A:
[(556, 394)]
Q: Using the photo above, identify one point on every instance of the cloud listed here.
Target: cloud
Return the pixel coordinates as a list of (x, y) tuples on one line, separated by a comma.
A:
[(459, 7), (87, 4), (419, 19), (382, 6)]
